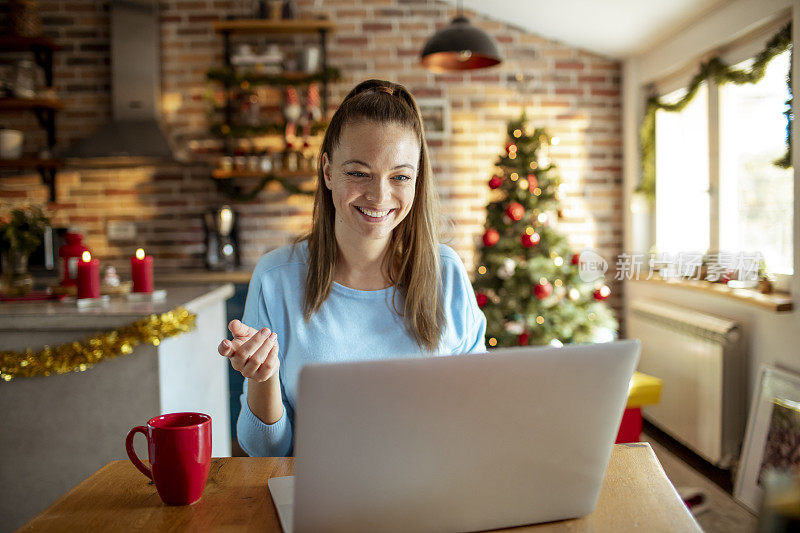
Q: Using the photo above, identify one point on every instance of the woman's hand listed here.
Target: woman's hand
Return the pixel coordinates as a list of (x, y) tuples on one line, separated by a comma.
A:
[(253, 353)]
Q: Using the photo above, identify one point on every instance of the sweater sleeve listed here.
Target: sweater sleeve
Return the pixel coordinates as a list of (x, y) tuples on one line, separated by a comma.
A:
[(474, 340), (471, 320), (255, 437), (258, 439)]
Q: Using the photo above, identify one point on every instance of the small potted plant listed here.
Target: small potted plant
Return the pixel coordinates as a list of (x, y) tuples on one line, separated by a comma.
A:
[(21, 231), (765, 278)]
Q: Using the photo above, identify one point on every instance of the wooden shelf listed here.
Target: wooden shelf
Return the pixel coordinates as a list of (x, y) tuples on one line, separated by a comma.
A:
[(31, 162), (778, 302), (15, 43), (230, 174), (273, 26), (42, 49), (7, 104)]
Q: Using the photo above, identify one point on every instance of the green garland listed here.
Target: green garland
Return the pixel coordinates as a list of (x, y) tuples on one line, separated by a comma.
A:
[(721, 73)]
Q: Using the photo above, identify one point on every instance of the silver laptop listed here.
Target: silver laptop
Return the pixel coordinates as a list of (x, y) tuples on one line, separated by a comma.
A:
[(460, 443)]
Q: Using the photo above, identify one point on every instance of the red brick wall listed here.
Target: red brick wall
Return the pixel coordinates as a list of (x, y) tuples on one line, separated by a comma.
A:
[(573, 93)]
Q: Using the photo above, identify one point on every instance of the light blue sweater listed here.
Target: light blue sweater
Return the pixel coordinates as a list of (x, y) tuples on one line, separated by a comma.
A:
[(351, 325)]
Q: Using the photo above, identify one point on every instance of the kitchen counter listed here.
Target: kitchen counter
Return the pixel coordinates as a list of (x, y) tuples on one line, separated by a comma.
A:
[(195, 276), (58, 429), (55, 315)]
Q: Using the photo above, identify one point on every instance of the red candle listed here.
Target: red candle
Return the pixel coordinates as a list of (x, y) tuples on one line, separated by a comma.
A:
[(88, 277), (142, 272)]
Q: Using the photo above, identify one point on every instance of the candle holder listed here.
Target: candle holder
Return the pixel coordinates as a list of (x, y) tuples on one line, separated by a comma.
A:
[(89, 303), (159, 295), (16, 280)]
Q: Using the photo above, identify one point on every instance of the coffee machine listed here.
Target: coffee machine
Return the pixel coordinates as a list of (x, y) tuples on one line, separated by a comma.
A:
[(222, 240)]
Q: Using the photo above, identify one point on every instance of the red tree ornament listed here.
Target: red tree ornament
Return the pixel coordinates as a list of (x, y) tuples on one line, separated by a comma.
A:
[(532, 182), (576, 258), (542, 290), (522, 339), (602, 293), (495, 182), (515, 211), (529, 241), (482, 299), (490, 237)]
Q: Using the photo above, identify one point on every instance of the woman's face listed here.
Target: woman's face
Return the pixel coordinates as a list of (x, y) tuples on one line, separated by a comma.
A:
[(372, 175)]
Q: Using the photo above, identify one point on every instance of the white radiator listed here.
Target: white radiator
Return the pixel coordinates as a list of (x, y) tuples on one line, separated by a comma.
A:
[(701, 362)]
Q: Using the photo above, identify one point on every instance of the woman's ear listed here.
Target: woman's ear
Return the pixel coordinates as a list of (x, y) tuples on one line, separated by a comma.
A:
[(326, 170)]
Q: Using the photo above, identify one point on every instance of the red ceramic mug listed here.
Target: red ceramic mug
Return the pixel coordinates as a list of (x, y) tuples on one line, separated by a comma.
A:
[(179, 447)]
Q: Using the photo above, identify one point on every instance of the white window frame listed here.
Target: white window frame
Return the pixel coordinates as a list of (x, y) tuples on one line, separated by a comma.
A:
[(736, 53)]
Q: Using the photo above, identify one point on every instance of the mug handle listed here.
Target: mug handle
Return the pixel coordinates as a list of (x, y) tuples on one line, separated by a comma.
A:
[(132, 453)]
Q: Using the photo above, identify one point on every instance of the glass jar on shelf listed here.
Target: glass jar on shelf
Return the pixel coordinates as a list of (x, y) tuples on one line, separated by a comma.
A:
[(24, 78), (291, 162)]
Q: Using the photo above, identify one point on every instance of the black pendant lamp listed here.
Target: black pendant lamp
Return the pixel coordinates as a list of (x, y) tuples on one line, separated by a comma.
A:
[(459, 46)]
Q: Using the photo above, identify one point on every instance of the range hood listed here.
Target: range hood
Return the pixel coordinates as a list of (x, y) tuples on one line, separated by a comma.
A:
[(134, 130)]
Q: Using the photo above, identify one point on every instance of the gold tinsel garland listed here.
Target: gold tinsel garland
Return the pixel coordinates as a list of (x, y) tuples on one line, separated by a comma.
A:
[(78, 356)]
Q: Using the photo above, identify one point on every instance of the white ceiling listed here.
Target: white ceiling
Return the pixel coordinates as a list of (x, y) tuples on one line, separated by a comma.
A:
[(613, 28)]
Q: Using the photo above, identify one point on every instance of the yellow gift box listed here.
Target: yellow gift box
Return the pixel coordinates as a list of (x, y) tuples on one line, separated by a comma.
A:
[(643, 390)]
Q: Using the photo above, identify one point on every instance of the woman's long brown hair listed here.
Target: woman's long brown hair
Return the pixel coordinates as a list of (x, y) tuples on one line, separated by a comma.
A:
[(412, 261)]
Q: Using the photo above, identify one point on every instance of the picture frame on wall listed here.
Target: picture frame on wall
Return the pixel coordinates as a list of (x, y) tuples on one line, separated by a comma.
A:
[(435, 117), (773, 429)]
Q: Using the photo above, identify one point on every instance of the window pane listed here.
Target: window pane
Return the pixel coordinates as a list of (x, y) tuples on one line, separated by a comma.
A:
[(756, 196), (682, 204)]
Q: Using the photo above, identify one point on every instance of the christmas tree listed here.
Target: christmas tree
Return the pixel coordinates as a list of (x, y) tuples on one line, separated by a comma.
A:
[(528, 282)]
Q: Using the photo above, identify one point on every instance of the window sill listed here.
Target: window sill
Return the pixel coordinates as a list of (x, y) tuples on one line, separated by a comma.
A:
[(778, 302)]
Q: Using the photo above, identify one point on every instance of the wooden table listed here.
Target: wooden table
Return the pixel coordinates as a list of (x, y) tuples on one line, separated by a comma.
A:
[(636, 494)]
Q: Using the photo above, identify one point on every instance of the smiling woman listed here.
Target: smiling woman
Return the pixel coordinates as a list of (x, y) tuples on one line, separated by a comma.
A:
[(372, 191), (369, 281)]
